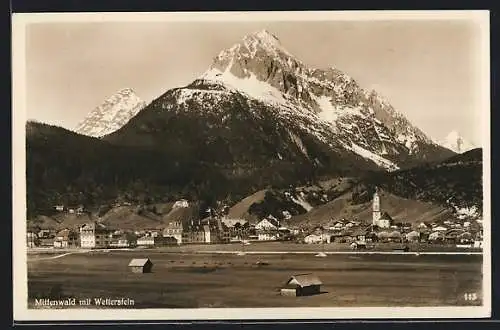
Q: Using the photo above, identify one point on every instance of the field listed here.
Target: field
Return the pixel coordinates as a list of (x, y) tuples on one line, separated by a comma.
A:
[(197, 280)]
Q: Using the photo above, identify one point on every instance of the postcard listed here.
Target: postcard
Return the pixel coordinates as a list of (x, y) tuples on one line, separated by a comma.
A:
[(251, 165)]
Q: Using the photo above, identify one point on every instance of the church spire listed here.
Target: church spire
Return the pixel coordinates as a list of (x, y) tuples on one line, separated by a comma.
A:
[(376, 208)]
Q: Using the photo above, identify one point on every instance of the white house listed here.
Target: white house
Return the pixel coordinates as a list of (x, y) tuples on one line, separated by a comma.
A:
[(146, 241), (422, 225), (93, 235), (174, 230), (266, 224), (182, 203), (440, 228), (313, 239)]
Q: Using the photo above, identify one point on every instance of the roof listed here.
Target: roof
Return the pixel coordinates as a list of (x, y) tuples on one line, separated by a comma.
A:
[(385, 216), (304, 280), (138, 262)]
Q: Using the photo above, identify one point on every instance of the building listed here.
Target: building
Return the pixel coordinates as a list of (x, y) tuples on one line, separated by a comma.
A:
[(140, 265), (66, 238), (46, 242), (207, 234), (94, 236), (302, 285), (122, 240), (182, 203), (267, 230), (313, 239), (194, 235), (59, 208), (413, 236), (174, 230), (376, 208), (31, 240)]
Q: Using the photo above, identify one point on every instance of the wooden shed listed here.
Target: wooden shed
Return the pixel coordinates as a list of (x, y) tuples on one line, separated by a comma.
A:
[(140, 265), (302, 285)]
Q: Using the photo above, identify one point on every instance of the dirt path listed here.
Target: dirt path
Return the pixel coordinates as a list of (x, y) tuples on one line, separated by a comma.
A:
[(57, 256)]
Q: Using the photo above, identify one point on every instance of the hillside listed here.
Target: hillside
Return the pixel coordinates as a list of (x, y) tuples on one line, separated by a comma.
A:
[(400, 209), (65, 168), (430, 192)]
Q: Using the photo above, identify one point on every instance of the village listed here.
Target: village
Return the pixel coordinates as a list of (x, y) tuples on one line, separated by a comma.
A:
[(220, 229)]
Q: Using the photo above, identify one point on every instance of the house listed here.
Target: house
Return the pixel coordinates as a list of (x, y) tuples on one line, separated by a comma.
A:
[(80, 209), (453, 234), (66, 238), (267, 224), (45, 233), (465, 238), (207, 234), (95, 235), (59, 208), (267, 236), (174, 230), (267, 229), (46, 242), (395, 236), (313, 239), (140, 265), (31, 240), (422, 225), (302, 285), (413, 236), (150, 240), (385, 221), (194, 234), (182, 203), (478, 244), (436, 236), (359, 235), (440, 228), (122, 240), (358, 245)]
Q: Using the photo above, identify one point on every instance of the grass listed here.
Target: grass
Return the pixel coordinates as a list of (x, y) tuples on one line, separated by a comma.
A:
[(209, 280)]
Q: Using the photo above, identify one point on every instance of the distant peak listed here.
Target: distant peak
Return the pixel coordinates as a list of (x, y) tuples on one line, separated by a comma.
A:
[(126, 90), (265, 35)]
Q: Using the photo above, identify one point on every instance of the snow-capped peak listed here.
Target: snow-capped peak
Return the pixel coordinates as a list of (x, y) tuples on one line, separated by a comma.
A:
[(361, 120), (112, 114), (455, 142)]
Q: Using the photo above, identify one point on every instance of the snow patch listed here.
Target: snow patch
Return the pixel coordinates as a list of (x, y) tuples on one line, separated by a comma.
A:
[(380, 161), (302, 202)]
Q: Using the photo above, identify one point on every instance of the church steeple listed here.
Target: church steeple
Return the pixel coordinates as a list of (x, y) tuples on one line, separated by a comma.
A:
[(376, 208)]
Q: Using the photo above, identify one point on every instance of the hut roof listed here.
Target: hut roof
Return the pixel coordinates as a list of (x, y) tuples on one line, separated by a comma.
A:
[(304, 280), (138, 262)]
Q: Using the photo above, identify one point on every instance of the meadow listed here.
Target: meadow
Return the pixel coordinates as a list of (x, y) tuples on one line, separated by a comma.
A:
[(199, 280)]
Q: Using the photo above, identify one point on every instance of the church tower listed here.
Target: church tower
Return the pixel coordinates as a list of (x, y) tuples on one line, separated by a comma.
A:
[(376, 208)]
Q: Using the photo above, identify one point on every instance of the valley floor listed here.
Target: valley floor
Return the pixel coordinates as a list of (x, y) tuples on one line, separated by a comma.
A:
[(197, 280)]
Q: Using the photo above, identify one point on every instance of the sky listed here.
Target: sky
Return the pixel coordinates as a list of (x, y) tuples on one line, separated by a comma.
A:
[(428, 70)]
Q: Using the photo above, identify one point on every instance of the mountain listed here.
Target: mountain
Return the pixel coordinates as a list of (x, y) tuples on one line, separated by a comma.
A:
[(455, 142), (112, 114), (257, 105), (258, 118), (66, 168)]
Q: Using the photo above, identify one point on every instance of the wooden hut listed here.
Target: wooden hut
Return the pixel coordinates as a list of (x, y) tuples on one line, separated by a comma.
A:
[(302, 285), (140, 265)]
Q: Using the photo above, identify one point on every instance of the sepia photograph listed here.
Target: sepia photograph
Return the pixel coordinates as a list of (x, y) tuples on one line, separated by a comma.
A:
[(251, 165)]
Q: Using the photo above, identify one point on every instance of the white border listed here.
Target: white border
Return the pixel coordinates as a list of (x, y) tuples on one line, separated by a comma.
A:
[(21, 312)]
